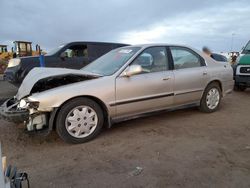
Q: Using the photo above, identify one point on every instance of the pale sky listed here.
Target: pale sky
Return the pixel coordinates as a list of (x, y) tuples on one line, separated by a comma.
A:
[(192, 22)]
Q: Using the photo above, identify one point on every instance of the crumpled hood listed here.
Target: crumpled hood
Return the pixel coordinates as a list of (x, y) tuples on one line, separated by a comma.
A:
[(37, 74)]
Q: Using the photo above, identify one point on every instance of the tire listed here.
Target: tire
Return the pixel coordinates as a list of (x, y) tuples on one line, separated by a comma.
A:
[(205, 104), (79, 120)]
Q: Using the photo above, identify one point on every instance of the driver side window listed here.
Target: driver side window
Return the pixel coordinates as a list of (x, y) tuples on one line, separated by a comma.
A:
[(152, 60), (76, 51)]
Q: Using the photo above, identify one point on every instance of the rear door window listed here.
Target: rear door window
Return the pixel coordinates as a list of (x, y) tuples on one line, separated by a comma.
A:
[(184, 58)]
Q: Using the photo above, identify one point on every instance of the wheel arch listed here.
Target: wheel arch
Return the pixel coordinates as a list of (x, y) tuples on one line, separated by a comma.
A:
[(214, 81), (203, 107), (107, 119)]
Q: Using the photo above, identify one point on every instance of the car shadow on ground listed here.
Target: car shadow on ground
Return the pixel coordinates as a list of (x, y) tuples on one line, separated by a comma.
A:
[(157, 120)]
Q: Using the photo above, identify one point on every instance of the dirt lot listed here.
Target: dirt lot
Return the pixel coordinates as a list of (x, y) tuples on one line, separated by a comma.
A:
[(185, 148)]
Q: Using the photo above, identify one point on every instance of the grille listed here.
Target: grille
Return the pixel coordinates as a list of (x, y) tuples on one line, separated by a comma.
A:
[(245, 70)]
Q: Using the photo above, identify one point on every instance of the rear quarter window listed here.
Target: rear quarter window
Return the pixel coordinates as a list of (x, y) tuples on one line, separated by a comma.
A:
[(219, 57)]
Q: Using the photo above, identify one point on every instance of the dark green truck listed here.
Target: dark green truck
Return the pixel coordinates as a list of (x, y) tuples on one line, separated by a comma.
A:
[(242, 69)]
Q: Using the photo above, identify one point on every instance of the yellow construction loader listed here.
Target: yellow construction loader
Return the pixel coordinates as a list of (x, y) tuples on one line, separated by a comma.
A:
[(20, 49), (4, 57), (24, 48), (4, 54)]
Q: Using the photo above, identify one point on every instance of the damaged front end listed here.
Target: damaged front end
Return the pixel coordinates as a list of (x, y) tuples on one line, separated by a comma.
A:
[(24, 111), (10, 111), (23, 108), (37, 120)]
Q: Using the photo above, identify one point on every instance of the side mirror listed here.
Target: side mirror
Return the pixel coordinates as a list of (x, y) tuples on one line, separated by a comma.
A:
[(63, 55), (132, 70)]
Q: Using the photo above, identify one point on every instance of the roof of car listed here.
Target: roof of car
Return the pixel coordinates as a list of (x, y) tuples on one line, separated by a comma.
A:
[(159, 44), (93, 42)]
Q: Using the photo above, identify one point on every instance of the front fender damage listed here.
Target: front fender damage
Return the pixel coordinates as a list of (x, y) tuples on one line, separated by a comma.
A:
[(33, 118)]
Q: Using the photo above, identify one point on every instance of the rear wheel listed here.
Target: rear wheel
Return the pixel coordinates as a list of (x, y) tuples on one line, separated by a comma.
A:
[(211, 98), (79, 120)]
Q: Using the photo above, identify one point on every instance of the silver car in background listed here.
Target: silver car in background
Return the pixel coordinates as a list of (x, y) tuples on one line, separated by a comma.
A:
[(125, 83)]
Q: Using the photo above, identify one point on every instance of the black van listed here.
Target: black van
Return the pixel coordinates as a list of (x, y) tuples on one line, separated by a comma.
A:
[(74, 55)]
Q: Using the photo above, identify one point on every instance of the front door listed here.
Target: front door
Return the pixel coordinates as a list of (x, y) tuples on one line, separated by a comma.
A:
[(148, 91)]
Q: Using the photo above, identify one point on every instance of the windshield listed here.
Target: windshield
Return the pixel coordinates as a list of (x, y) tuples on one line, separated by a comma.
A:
[(109, 63), (246, 50), (55, 50)]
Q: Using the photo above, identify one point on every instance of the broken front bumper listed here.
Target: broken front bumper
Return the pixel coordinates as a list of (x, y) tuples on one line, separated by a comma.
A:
[(34, 121), (9, 111)]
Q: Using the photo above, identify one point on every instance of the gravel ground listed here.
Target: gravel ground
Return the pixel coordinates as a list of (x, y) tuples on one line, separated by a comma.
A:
[(185, 148)]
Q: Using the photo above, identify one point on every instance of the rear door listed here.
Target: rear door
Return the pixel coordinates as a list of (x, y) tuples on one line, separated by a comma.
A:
[(149, 90), (190, 75)]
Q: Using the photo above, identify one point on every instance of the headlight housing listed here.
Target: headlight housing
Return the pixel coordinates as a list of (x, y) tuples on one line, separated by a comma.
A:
[(14, 62), (25, 103)]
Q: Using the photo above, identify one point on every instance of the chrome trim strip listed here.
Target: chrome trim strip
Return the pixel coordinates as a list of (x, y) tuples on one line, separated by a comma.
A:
[(141, 99), (187, 92)]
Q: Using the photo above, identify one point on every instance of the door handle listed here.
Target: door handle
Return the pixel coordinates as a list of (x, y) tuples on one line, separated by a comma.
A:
[(204, 73), (167, 78)]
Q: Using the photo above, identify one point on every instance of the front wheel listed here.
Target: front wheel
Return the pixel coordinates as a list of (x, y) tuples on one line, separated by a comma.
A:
[(79, 120), (211, 98)]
